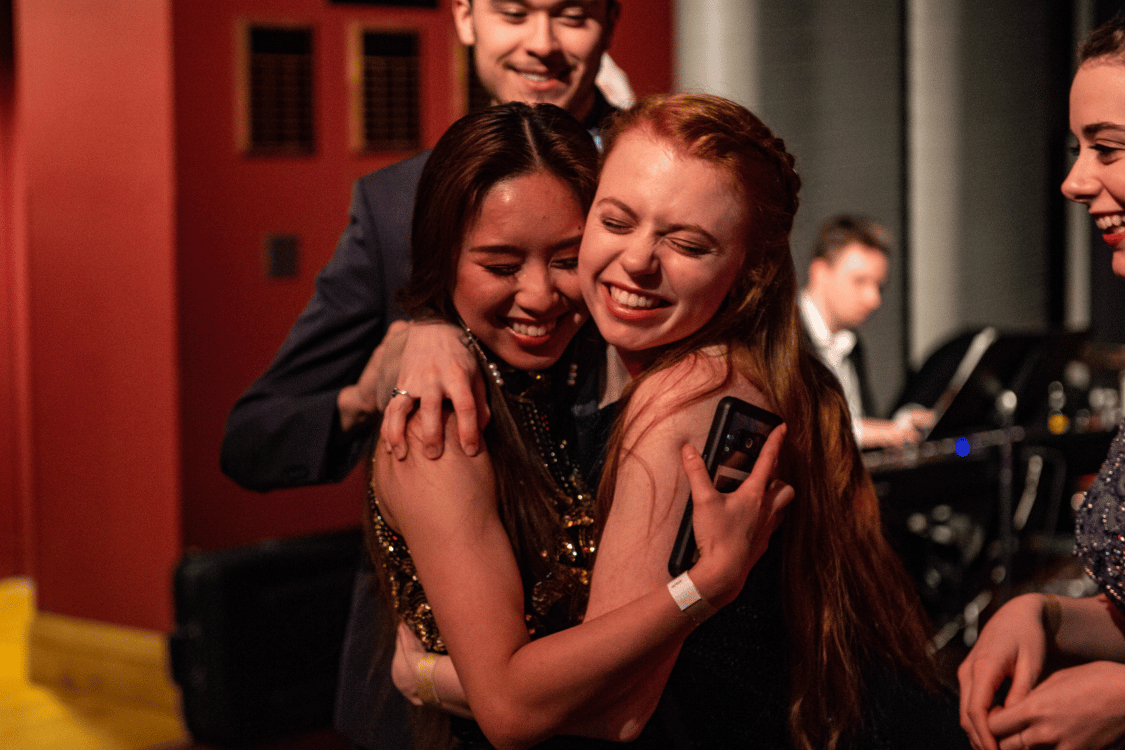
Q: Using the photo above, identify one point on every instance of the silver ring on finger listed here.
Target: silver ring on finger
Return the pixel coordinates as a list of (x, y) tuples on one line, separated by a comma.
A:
[(399, 392)]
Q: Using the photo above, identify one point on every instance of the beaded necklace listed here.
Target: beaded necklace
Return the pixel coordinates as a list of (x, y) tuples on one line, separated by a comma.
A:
[(557, 599)]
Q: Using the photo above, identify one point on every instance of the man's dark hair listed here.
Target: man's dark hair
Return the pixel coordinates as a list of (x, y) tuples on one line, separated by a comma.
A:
[(840, 231)]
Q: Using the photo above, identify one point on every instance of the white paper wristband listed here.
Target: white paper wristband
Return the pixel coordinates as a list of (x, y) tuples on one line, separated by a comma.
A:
[(689, 599)]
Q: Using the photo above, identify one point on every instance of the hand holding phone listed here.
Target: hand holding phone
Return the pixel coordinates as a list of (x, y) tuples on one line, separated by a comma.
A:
[(738, 432)]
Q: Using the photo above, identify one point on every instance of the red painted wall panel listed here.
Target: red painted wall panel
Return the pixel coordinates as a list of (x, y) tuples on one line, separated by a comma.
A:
[(233, 318), (95, 126), (12, 331), (642, 44)]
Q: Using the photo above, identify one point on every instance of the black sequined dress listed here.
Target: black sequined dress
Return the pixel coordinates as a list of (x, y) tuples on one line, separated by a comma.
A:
[(1100, 525)]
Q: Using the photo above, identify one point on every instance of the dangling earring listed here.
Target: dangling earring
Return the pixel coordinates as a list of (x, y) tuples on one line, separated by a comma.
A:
[(471, 343)]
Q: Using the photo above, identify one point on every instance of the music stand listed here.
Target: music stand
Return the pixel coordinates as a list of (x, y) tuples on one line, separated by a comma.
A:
[(1020, 362)]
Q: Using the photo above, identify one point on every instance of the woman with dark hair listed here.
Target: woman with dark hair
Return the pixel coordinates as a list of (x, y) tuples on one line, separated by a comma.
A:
[(481, 554), (1081, 704), (686, 267)]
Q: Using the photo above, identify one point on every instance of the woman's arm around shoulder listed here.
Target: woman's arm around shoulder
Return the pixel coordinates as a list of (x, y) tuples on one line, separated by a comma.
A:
[(595, 679)]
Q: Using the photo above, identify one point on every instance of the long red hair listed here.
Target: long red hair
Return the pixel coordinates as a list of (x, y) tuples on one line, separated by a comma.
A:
[(848, 600)]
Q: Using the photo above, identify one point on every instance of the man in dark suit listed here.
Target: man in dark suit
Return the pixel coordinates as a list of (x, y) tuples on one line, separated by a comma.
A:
[(846, 278), (308, 419)]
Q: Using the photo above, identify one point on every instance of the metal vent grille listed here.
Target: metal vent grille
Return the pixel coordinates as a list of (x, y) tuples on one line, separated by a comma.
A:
[(281, 90), (391, 96)]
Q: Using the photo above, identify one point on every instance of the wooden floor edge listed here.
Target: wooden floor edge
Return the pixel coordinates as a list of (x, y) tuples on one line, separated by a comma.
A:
[(76, 658)]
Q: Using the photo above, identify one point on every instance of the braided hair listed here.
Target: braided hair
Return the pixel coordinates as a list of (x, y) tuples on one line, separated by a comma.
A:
[(836, 561)]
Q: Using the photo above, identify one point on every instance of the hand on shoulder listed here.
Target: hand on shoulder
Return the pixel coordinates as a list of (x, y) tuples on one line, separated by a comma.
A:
[(432, 367)]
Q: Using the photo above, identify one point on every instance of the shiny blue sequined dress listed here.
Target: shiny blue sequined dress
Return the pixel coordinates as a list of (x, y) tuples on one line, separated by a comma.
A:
[(1100, 525)]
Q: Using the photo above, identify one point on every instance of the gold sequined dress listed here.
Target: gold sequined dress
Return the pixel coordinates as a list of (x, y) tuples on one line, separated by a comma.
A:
[(556, 597)]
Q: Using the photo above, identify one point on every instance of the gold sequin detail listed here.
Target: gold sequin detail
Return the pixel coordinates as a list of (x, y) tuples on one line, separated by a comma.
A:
[(393, 561), (558, 600)]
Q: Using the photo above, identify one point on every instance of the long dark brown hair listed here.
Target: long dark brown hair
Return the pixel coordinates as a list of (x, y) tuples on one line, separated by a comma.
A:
[(848, 600), (478, 152)]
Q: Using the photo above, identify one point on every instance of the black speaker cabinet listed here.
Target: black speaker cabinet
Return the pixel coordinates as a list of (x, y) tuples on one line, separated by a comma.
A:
[(258, 634)]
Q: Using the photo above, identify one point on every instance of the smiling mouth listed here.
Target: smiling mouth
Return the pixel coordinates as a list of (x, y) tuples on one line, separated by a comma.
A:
[(1110, 224), (532, 330), (540, 77), (633, 300)]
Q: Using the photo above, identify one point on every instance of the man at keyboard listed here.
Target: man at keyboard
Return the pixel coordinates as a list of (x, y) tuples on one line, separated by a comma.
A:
[(846, 278)]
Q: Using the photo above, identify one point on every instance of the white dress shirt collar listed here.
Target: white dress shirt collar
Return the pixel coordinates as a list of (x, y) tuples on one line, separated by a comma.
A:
[(834, 347)]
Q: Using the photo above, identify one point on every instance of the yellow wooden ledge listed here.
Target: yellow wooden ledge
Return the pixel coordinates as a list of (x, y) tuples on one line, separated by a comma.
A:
[(80, 658), (105, 686)]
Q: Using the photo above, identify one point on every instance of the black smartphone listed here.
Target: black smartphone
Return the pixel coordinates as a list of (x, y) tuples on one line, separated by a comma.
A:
[(738, 432)]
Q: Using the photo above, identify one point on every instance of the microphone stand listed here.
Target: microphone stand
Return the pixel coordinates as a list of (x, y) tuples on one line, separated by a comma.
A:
[(1006, 409)]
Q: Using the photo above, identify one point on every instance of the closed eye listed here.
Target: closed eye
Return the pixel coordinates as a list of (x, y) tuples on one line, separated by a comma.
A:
[(512, 11), (689, 248), (575, 16), (505, 269), (614, 225)]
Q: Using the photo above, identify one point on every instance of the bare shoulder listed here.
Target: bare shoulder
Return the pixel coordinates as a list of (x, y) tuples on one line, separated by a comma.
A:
[(453, 483), (670, 399)]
